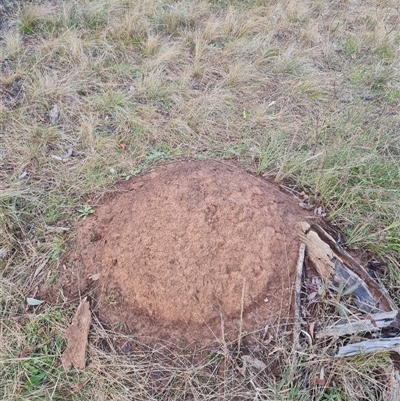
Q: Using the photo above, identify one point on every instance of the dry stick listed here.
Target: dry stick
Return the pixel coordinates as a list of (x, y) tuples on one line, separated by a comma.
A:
[(241, 317), (222, 327), (224, 345), (297, 300)]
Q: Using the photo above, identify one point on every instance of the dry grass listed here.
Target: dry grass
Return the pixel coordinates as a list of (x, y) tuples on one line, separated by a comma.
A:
[(305, 92)]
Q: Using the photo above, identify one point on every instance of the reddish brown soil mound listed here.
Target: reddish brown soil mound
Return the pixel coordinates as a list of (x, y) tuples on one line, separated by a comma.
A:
[(170, 253)]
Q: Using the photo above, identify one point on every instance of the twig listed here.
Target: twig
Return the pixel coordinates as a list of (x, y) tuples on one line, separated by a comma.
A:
[(297, 300), (221, 315), (241, 317)]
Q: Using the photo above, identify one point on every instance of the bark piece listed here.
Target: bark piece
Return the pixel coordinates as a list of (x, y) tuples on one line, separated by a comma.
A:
[(319, 252), (254, 362), (77, 336)]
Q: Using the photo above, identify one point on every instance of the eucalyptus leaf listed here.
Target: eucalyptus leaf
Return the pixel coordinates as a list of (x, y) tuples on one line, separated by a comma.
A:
[(33, 301)]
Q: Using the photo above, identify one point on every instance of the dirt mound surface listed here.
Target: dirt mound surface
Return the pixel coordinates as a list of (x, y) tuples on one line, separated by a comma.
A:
[(178, 253)]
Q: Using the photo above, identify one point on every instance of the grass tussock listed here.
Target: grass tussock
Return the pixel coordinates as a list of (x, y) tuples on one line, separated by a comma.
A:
[(307, 93)]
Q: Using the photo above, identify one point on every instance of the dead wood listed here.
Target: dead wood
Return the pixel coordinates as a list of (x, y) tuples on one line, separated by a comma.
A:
[(369, 346), (370, 323), (336, 267), (297, 308)]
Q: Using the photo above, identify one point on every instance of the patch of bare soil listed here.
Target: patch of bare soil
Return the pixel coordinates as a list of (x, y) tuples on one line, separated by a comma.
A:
[(180, 252)]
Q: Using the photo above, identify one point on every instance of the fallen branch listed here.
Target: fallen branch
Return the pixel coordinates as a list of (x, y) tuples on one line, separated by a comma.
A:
[(372, 322), (369, 346)]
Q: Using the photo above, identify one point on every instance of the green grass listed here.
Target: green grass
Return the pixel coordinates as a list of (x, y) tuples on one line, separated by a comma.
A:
[(304, 93)]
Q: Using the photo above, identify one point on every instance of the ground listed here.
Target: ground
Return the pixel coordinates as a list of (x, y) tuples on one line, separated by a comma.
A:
[(96, 92)]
